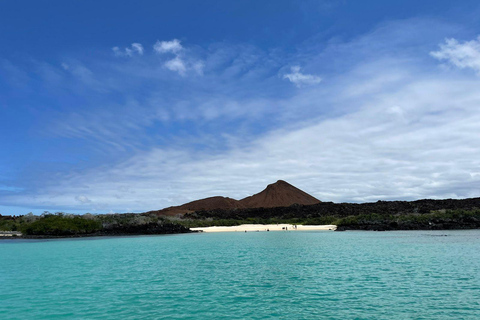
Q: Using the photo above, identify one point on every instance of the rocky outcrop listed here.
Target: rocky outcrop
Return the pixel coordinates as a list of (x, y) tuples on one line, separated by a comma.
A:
[(455, 219), (150, 228)]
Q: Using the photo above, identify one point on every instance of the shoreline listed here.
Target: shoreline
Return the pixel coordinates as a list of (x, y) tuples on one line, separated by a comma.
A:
[(89, 235), (266, 227)]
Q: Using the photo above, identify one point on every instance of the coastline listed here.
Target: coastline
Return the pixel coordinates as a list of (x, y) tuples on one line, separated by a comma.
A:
[(88, 235), (266, 227)]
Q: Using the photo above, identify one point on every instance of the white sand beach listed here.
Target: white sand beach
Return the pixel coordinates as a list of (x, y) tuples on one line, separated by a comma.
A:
[(10, 234), (267, 227)]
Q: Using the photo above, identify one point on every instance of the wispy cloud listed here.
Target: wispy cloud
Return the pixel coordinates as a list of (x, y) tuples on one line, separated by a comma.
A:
[(83, 199), (301, 79), (460, 54), (136, 48)]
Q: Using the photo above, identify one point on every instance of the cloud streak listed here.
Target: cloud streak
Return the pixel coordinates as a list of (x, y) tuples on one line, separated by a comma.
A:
[(301, 79)]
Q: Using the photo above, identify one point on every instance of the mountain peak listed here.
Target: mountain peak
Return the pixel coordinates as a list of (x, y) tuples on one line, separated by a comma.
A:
[(278, 194), (279, 182)]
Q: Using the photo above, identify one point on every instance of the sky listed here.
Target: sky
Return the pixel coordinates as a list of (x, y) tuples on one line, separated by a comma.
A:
[(131, 106)]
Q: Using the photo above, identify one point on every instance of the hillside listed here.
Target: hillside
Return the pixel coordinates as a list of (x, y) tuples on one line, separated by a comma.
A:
[(278, 194), (210, 203)]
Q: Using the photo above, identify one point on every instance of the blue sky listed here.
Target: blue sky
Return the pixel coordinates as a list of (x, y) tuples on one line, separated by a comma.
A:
[(127, 106)]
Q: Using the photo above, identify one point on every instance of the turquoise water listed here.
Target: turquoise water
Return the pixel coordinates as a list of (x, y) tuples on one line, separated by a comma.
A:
[(278, 275)]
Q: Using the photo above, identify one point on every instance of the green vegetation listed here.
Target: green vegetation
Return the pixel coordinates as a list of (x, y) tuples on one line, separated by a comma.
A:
[(58, 225), (439, 219), (8, 225), (61, 224)]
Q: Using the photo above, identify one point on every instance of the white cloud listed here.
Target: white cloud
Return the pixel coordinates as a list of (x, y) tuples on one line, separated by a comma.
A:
[(177, 65), (83, 199), (128, 52), (138, 48), (460, 54), (172, 46), (300, 79), (181, 63)]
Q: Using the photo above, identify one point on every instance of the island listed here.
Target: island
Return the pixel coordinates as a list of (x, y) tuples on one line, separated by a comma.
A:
[(279, 207)]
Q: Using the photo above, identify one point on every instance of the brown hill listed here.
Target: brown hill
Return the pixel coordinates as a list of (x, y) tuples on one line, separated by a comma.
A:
[(202, 204), (213, 203), (278, 194)]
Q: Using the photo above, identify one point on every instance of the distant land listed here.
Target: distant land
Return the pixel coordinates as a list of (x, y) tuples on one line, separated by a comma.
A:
[(278, 203), (284, 203)]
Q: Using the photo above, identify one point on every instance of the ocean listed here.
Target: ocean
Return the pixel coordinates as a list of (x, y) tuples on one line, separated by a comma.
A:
[(254, 275)]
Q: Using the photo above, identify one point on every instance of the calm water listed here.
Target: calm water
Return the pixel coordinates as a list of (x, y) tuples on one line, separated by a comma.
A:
[(286, 275)]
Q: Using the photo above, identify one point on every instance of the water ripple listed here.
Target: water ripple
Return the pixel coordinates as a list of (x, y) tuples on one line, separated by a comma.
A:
[(277, 275)]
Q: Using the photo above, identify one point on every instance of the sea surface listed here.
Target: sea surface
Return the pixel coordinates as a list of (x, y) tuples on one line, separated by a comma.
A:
[(255, 275)]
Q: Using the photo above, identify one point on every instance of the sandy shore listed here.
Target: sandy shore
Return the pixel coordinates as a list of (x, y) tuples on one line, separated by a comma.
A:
[(265, 227), (10, 234)]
